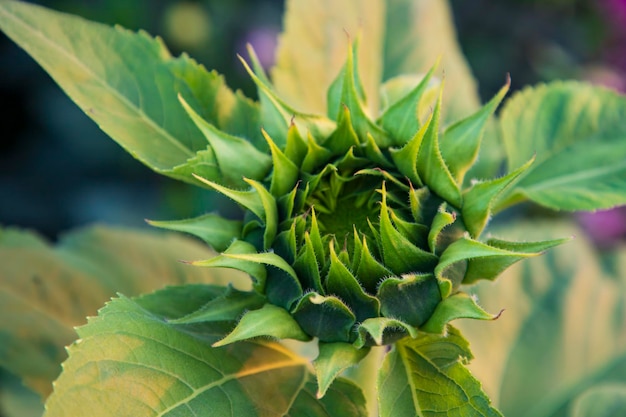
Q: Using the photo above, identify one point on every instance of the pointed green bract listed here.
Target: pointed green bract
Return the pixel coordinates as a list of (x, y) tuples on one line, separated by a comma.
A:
[(461, 141), (268, 321), (431, 167), (211, 228), (315, 53), (343, 284), (457, 306), (350, 98), (383, 330), (411, 299), (399, 254), (333, 359), (285, 173), (442, 220), (488, 260), (479, 201), (225, 260), (248, 199), (229, 306), (327, 318), (401, 119), (232, 153), (489, 268), (277, 116)]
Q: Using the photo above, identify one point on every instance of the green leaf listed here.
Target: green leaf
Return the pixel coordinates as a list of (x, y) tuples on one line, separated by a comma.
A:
[(207, 93), (457, 306), (269, 321), (602, 401), (418, 32), (333, 359), (126, 82), (229, 306), (577, 133), (426, 377), (46, 291), (130, 361), (212, 228), (562, 332), (231, 152), (313, 45)]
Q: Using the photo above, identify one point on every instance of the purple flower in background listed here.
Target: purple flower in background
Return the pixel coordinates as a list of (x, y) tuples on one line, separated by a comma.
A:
[(607, 227), (264, 40)]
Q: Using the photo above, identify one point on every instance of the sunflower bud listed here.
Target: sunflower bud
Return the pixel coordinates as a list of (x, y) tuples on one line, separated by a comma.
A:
[(361, 231)]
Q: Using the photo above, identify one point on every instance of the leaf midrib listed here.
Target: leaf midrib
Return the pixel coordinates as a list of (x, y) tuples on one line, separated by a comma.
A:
[(123, 99)]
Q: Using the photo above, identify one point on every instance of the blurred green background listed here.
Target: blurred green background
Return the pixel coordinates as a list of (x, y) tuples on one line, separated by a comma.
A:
[(58, 171)]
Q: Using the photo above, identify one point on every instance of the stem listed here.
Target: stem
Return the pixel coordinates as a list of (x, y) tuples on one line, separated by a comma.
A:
[(365, 375)]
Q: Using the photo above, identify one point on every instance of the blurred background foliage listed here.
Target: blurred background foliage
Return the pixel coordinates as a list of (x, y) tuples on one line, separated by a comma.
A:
[(58, 171)]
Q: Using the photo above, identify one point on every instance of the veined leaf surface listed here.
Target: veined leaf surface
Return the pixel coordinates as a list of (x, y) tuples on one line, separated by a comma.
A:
[(426, 377), (578, 133), (130, 361), (45, 291), (128, 84), (563, 331)]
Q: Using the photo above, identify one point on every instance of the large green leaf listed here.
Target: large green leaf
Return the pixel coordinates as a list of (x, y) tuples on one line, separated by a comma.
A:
[(47, 290), (131, 361), (579, 136), (418, 32), (313, 48), (426, 377), (563, 330), (128, 84)]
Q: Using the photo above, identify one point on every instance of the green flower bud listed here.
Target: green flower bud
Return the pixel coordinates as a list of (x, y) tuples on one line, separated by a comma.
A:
[(362, 231)]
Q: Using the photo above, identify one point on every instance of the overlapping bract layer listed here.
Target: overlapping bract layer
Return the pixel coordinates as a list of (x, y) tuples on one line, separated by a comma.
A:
[(363, 230)]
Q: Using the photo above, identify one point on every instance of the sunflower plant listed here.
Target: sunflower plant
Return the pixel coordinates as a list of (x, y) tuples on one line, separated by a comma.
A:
[(368, 174)]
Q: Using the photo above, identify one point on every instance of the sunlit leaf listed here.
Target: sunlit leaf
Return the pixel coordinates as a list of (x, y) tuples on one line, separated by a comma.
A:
[(47, 290), (128, 84), (578, 133), (312, 51), (129, 361), (562, 330), (426, 377)]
